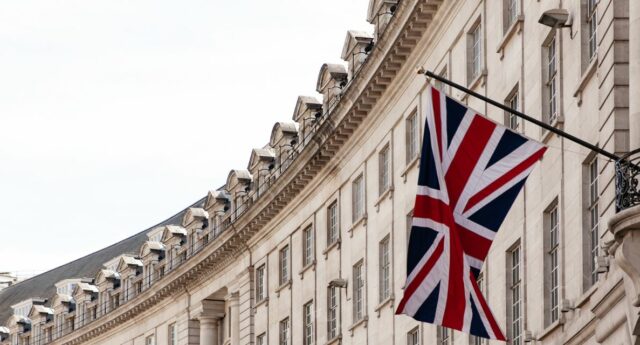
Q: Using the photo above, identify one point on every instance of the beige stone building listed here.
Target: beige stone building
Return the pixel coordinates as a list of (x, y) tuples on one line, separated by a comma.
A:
[(307, 245)]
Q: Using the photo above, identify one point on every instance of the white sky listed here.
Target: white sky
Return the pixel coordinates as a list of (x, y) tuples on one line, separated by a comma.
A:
[(115, 115)]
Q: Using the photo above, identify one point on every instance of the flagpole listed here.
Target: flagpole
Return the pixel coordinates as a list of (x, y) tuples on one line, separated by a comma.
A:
[(523, 116)]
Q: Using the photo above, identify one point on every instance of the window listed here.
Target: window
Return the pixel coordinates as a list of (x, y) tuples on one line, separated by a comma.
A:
[(385, 270), (413, 337), (333, 313), (514, 297), (260, 283), (474, 41), (307, 314), (384, 170), (284, 332), (357, 199), (173, 334), (333, 233), (511, 13), (262, 339), (592, 28), (445, 336), (552, 257), (510, 120), (412, 136), (284, 265), (551, 81), (409, 223), (593, 219), (358, 292), (307, 246), (150, 340)]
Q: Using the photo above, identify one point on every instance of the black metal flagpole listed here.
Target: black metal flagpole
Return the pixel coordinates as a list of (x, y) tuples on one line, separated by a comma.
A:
[(525, 117)]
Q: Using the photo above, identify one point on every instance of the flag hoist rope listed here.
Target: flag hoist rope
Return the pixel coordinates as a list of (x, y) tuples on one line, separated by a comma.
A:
[(523, 116)]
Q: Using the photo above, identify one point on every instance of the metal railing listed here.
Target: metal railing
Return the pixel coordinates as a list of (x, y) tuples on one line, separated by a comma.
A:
[(627, 171)]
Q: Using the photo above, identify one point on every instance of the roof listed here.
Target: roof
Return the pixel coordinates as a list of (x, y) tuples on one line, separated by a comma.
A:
[(44, 284)]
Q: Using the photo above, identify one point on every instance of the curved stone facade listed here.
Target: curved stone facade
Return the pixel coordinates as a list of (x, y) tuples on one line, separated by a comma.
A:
[(307, 245)]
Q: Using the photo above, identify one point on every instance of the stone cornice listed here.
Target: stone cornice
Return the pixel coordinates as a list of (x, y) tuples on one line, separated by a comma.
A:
[(410, 22)]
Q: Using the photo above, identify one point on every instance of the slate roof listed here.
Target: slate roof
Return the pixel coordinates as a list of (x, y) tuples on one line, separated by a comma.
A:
[(42, 285)]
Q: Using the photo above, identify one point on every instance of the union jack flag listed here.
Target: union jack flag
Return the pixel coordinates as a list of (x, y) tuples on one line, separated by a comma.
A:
[(471, 171)]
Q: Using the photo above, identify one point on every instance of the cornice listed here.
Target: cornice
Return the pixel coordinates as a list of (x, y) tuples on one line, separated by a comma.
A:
[(396, 44)]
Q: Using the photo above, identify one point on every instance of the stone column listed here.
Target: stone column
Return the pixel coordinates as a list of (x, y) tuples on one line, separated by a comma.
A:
[(634, 74), (208, 330), (234, 307)]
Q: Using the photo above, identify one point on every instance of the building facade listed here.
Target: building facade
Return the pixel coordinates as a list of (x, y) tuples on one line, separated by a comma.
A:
[(307, 245)]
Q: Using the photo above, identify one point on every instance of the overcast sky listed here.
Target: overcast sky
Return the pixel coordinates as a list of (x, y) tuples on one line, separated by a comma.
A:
[(115, 115)]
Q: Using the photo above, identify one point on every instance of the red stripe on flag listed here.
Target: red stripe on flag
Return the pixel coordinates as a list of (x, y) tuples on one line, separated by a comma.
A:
[(501, 181), (467, 156), (456, 302), (473, 244), (483, 304), (419, 278), (434, 209), (437, 115)]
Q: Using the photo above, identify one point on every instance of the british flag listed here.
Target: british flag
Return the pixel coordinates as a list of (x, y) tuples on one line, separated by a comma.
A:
[(471, 171)]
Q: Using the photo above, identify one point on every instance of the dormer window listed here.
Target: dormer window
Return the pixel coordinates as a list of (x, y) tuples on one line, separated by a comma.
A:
[(356, 49), (331, 79), (307, 114), (380, 14)]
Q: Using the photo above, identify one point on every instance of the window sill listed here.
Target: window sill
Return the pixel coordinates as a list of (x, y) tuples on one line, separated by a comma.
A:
[(546, 134), (410, 165), (361, 221), (386, 193), (335, 340), (362, 322), (515, 27), (587, 295), (387, 301), (552, 327), (475, 82), (312, 265), (330, 247), (283, 286), (586, 76), (264, 301)]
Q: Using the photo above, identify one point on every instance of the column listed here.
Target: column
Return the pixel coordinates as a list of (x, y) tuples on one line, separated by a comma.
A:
[(634, 74), (233, 301), (208, 330)]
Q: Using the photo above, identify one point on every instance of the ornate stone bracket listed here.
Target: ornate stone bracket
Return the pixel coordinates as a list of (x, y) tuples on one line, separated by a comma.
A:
[(625, 227)]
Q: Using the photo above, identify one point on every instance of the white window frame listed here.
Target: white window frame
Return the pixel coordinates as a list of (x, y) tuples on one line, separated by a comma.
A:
[(551, 82), (358, 291), (413, 336), (173, 334), (412, 130), (475, 51), (384, 170), (307, 318), (594, 218), (307, 246), (592, 28), (284, 331), (514, 289), (552, 239), (261, 282), (283, 265), (384, 284), (260, 339), (513, 102), (333, 223), (357, 198), (512, 10), (333, 312)]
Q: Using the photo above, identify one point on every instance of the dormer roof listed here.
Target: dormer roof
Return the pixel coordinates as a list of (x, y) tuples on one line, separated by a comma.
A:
[(61, 298), (106, 274), (151, 246), (374, 8), (194, 213), (353, 39), (85, 287), (303, 104), (127, 261), (328, 72), (40, 309), (173, 230), (237, 176), (281, 129), (216, 195)]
